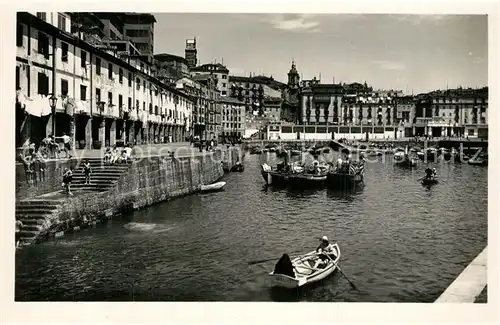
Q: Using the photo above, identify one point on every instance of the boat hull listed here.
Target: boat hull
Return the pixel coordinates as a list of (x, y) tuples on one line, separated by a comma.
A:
[(302, 179), (213, 187), (429, 181), (303, 271), (340, 180)]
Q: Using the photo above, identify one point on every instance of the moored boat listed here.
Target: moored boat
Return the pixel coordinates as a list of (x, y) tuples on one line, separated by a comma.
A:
[(403, 159), (302, 271), (213, 187), (346, 175), (313, 176)]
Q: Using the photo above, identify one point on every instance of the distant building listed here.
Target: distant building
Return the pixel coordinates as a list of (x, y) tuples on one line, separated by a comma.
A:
[(213, 119), (217, 69), (191, 53), (139, 28)]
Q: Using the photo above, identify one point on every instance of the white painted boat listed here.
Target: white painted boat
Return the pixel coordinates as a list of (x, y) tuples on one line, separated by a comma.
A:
[(304, 271), (213, 187)]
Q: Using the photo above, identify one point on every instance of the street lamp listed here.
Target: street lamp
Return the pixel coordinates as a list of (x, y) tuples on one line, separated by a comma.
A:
[(52, 103)]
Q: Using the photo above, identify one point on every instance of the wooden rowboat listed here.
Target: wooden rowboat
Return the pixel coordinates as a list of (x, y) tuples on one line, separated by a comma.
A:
[(304, 271), (213, 187), (429, 181)]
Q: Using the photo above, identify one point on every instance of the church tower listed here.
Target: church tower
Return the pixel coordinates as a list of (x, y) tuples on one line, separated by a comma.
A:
[(191, 52), (293, 77)]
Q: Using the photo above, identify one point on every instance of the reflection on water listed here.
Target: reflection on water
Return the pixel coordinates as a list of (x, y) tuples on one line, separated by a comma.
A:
[(399, 241)]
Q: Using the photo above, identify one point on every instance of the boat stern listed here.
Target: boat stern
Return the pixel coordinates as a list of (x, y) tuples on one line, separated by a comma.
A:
[(283, 281)]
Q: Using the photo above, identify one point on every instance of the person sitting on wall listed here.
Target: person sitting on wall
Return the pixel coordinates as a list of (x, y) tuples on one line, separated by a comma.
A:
[(107, 156), (115, 154)]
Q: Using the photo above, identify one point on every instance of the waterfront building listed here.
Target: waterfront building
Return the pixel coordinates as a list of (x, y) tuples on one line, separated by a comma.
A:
[(199, 94), (233, 119), (101, 99), (217, 69), (213, 107), (455, 112)]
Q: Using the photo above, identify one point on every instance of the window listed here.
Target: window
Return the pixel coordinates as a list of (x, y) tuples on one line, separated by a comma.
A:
[(110, 71), (61, 22), (98, 66), (64, 87), (43, 44), (224, 76), (19, 35), (129, 103), (83, 93), (64, 49), (138, 83), (120, 75), (130, 79), (83, 59), (120, 101), (18, 77), (97, 95), (144, 85), (223, 93), (43, 84), (223, 84), (42, 15), (143, 106), (110, 98)]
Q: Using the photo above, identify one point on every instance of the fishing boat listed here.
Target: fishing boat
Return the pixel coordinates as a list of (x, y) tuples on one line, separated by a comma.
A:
[(295, 175), (347, 175), (302, 271), (213, 187), (238, 167), (429, 181)]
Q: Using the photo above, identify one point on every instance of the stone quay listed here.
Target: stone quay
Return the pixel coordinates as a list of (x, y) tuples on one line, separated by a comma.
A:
[(156, 173)]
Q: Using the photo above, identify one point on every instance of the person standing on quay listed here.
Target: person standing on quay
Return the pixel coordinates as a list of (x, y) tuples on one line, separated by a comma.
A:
[(87, 170), (67, 179)]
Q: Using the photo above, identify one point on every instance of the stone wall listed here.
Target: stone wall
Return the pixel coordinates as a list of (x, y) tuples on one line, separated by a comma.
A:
[(147, 181)]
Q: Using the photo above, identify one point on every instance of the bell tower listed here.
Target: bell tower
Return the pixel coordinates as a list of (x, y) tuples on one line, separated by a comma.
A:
[(191, 52), (293, 77)]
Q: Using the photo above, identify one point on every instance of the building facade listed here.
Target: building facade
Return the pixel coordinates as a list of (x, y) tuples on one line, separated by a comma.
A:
[(233, 119), (217, 69), (101, 99)]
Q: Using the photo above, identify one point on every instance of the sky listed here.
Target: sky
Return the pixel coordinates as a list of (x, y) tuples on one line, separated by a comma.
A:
[(407, 52)]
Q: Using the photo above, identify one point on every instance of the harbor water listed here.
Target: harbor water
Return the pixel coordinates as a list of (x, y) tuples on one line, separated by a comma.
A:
[(400, 241)]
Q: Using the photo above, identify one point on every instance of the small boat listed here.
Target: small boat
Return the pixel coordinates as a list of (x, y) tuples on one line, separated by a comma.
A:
[(429, 181), (295, 152), (302, 271), (238, 167), (402, 158), (213, 187)]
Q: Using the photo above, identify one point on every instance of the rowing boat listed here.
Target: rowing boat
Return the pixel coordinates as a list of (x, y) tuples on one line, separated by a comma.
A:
[(304, 272), (429, 181), (213, 187)]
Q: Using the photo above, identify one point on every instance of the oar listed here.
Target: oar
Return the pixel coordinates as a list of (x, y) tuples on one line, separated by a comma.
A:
[(267, 260), (345, 276)]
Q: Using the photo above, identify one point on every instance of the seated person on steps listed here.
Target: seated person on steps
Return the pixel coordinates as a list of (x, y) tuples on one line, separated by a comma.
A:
[(326, 252)]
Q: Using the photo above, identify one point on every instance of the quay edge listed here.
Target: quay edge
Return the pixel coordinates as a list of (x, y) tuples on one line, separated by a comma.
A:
[(469, 284), (144, 182)]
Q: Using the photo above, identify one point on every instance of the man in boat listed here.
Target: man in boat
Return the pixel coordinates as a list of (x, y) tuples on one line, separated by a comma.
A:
[(284, 266), (325, 252), (429, 173), (434, 172)]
